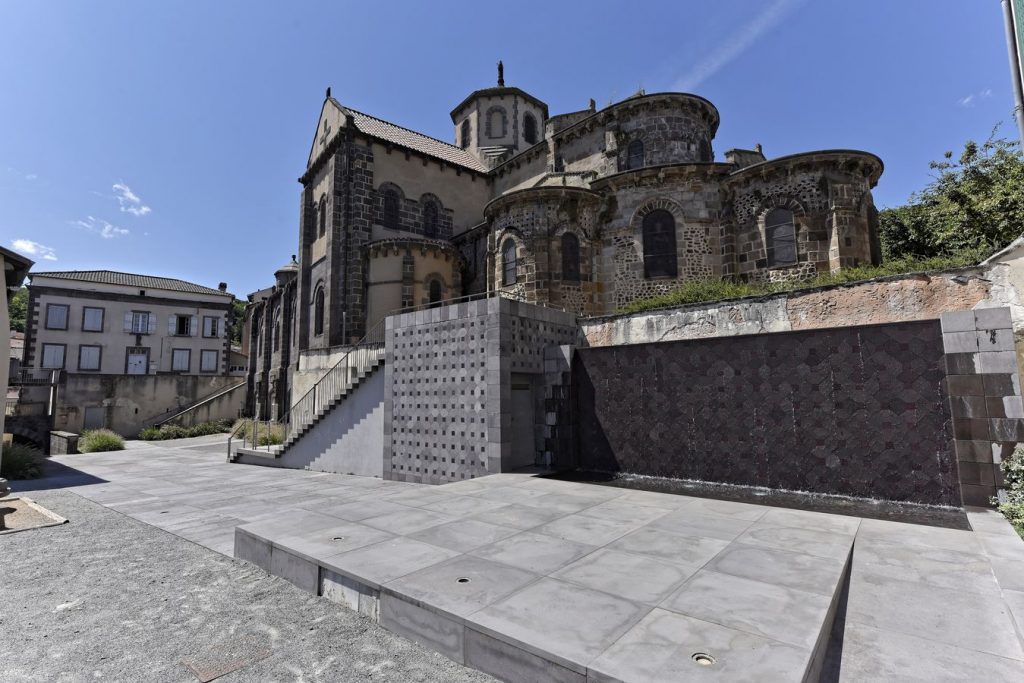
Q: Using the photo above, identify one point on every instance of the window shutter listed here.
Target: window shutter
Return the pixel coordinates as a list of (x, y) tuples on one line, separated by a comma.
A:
[(128, 321), (172, 324), (152, 322), (193, 326)]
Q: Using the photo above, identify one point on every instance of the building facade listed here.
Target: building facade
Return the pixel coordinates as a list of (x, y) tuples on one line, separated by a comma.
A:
[(584, 211)]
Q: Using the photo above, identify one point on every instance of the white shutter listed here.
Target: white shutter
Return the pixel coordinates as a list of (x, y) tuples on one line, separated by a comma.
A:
[(193, 326), (128, 321), (172, 324), (152, 323)]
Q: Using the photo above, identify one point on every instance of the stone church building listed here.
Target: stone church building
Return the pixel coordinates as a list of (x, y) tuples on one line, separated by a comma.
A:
[(585, 211)]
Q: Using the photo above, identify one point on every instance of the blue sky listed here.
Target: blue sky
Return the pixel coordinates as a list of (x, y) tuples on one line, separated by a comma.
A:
[(166, 138)]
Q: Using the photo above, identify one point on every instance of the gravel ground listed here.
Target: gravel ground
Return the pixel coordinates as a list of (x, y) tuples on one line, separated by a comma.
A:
[(106, 597)]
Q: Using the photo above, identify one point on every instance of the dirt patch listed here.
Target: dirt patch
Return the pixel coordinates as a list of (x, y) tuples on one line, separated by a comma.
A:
[(22, 514)]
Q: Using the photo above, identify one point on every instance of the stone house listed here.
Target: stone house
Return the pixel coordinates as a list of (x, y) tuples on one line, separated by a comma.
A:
[(584, 211)]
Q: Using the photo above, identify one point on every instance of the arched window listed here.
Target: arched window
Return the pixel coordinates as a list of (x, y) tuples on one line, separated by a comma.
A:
[(659, 235), (318, 311), (435, 292), (780, 237), (390, 213), (464, 135), (430, 219), (635, 154), (322, 216), (495, 122), (570, 257), (530, 129), (509, 273), (277, 328)]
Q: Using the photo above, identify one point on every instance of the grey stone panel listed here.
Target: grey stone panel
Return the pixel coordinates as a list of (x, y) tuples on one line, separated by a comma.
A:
[(427, 628), (252, 549), (296, 570), (510, 663)]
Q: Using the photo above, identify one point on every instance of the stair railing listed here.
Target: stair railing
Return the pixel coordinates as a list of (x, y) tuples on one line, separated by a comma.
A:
[(336, 382)]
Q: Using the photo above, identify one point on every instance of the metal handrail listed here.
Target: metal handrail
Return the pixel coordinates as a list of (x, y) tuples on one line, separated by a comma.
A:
[(233, 434), (490, 294), (199, 404), (337, 381)]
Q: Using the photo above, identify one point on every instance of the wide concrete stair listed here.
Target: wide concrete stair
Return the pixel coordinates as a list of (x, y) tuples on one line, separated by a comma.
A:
[(530, 579)]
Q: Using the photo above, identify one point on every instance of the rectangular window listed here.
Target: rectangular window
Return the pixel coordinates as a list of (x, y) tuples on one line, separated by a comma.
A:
[(181, 359), (211, 326), (181, 325), (92, 319), (89, 357), (208, 361), (53, 356), (56, 316), (138, 322)]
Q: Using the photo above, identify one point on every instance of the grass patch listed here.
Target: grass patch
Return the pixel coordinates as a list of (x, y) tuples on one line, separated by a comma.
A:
[(169, 431), (21, 462), (97, 440), (701, 291), (270, 434)]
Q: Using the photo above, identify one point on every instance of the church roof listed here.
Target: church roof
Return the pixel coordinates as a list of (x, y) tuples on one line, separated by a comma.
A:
[(390, 132), (499, 91), (112, 277)]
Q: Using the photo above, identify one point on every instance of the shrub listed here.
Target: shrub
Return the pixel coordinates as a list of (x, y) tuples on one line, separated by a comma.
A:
[(700, 291), (169, 431), (100, 440), (21, 462), (1013, 474), (270, 434)]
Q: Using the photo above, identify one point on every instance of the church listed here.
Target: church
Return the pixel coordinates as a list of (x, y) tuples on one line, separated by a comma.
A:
[(584, 211)]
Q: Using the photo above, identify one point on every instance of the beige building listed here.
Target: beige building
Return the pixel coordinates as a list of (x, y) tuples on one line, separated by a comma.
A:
[(15, 267), (111, 323)]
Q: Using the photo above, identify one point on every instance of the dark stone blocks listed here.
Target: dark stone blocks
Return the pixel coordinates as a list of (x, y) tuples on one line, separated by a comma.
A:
[(858, 411)]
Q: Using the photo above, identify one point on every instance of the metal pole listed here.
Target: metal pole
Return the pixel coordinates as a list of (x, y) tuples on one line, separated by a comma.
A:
[(1018, 89)]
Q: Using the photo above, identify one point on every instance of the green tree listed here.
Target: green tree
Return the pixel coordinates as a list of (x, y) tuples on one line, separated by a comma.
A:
[(236, 319), (974, 202), (17, 309)]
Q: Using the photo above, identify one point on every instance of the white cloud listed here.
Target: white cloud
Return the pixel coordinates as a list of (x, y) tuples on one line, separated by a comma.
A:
[(736, 44), (31, 248), (101, 227), (973, 97), (129, 201)]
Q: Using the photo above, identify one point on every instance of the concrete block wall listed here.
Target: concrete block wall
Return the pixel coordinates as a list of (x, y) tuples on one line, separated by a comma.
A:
[(983, 384)]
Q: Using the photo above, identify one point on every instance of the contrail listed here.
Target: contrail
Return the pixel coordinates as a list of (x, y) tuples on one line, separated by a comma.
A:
[(737, 44)]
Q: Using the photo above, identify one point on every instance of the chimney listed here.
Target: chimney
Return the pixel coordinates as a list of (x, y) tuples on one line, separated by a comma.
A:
[(223, 286)]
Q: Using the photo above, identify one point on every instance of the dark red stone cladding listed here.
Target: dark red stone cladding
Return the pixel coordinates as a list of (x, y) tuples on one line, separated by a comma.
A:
[(858, 411)]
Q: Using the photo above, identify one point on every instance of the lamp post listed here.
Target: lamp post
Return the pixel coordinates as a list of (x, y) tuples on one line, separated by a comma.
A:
[(1013, 15)]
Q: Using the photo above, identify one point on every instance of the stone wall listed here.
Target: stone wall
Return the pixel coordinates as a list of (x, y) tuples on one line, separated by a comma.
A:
[(858, 411), (895, 299)]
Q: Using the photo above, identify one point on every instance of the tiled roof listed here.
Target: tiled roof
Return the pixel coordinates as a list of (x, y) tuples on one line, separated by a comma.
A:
[(390, 132), (112, 277)]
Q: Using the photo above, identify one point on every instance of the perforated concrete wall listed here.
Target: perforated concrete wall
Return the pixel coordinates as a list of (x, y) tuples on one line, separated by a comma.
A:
[(447, 409)]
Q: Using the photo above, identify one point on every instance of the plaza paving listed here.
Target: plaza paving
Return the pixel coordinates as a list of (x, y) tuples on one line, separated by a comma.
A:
[(535, 579)]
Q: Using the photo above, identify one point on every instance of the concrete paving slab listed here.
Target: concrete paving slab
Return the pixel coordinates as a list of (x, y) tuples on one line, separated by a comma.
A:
[(919, 535), (408, 521), (461, 585), (818, 521), (633, 577), (459, 506), (546, 617), (665, 545), (784, 614), (688, 522), (939, 567), (810, 573), (585, 529), (534, 552), (380, 563), (620, 511), (663, 646), (953, 617), (464, 535), (871, 654), (356, 511), (518, 516), (334, 539), (809, 541)]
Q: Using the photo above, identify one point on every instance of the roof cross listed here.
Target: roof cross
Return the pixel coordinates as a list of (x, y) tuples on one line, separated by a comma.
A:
[(326, 135)]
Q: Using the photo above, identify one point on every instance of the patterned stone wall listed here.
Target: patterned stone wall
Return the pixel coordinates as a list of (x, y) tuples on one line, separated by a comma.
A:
[(448, 370), (859, 411)]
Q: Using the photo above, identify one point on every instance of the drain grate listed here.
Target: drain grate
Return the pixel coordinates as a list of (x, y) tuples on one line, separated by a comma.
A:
[(226, 656)]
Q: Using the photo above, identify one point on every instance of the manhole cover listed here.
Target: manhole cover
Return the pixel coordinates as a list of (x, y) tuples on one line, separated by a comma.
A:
[(227, 656)]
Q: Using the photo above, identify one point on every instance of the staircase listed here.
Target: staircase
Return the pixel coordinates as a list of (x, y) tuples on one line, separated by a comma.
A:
[(358, 363)]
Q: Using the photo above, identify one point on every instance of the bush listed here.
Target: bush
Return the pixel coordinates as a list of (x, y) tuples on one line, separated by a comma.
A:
[(270, 434), (169, 431), (100, 440), (1013, 474), (700, 291), (21, 462)]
